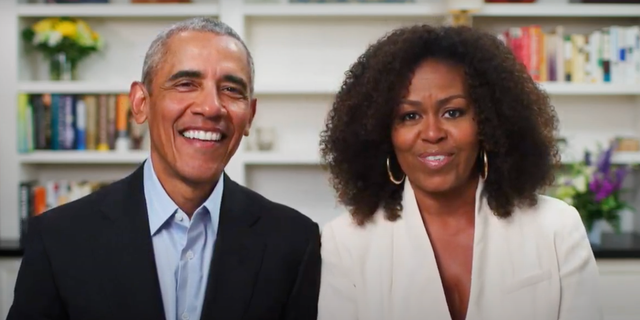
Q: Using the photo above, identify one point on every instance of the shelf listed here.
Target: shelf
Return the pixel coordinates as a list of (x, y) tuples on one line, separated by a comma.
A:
[(91, 87), (626, 157), (94, 87), (83, 157), (576, 10), (117, 10), (281, 158), (344, 10), (73, 87), (590, 89), (619, 158)]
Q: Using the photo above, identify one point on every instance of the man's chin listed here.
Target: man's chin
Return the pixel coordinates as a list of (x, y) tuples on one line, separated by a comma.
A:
[(201, 175)]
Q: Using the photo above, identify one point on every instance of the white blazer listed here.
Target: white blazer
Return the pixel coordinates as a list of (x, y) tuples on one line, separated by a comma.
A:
[(536, 265)]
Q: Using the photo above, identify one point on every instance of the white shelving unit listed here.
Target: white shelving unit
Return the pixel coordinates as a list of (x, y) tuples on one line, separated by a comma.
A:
[(124, 10), (301, 52)]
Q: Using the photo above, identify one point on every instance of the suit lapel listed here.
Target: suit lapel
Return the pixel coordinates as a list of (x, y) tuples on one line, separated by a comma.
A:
[(128, 251), (237, 257)]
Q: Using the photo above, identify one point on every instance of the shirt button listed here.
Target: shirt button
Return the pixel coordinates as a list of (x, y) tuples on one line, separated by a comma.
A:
[(178, 217), (189, 255), (185, 316)]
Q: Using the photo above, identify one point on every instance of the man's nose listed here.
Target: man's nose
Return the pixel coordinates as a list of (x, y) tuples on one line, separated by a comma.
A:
[(210, 104)]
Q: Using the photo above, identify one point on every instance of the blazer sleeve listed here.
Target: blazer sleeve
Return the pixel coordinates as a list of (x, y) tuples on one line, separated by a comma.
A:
[(337, 289), (303, 302), (579, 274), (35, 295)]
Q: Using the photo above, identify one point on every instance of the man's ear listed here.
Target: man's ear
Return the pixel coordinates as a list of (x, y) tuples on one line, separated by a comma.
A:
[(252, 105), (139, 102)]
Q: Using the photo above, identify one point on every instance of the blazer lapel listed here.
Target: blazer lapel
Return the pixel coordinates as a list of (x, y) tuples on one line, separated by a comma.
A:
[(237, 257), (417, 285), (131, 276)]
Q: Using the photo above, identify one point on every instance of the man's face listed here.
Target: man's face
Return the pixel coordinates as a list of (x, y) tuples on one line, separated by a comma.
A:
[(198, 107)]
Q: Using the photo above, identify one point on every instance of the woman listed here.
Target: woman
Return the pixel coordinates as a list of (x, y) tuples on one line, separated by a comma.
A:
[(438, 143)]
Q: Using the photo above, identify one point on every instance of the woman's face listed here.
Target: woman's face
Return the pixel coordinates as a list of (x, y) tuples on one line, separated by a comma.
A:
[(434, 130)]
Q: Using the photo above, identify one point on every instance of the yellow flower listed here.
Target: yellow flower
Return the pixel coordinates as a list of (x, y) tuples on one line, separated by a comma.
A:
[(44, 25), (66, 28)]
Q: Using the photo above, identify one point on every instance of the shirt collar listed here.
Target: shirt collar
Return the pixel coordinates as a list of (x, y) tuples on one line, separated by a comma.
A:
[(160, 207)]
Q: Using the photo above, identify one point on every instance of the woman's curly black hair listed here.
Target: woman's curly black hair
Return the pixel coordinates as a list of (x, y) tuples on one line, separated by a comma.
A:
[(516, 122)]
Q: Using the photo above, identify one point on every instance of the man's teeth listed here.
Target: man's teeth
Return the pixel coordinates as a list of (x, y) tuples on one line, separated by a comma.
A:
[(202, 135), (435, 158)]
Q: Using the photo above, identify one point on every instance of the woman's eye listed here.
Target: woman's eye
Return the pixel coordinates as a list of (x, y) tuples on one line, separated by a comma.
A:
[(453, 113), (410, 116)]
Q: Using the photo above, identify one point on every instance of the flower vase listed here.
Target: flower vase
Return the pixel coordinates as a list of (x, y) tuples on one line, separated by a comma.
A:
[(595, 234), (61, 68)]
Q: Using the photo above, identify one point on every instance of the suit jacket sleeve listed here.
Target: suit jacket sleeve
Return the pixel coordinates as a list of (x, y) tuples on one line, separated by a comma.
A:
[(303, 302), (36, 296), (579, 274), (337, 290)]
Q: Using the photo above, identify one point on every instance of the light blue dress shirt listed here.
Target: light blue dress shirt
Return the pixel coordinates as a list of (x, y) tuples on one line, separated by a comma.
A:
[(183, 247)]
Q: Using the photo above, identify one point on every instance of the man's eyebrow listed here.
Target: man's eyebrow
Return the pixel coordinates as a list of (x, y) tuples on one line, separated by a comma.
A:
[(193, 74), (236, 80)]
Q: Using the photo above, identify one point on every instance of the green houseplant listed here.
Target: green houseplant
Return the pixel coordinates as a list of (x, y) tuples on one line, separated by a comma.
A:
[(594, 189)]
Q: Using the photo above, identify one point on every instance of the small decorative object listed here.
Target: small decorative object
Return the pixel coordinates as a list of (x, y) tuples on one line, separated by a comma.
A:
[(266, 138), (64, 42), (461, 11), (594, 189)]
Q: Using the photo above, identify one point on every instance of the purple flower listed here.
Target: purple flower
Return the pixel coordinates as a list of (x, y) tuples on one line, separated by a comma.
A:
[(604, 161), (605, 190), (594, 185), (620, 174)]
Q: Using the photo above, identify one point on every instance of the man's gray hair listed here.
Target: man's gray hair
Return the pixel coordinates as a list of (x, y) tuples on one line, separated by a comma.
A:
[(157, 49)]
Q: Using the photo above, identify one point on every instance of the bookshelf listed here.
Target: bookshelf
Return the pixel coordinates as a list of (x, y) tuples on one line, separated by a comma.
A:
[(301, 52), (295, 76), (298, 68)]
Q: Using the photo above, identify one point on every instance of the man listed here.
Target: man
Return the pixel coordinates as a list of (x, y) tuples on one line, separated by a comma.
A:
[(177, 239)]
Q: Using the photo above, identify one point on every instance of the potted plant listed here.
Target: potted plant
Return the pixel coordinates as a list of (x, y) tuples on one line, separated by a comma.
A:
[(594, 189), (64, 42)]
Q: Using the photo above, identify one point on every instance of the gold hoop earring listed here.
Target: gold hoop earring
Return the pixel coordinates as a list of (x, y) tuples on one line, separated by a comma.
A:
[(391, 175), (485, 165)]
